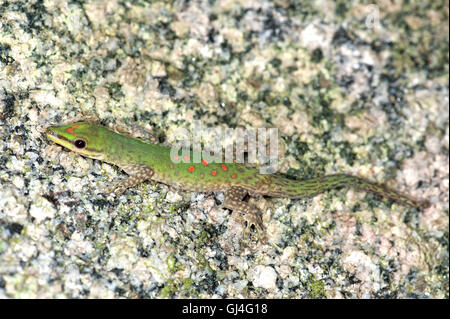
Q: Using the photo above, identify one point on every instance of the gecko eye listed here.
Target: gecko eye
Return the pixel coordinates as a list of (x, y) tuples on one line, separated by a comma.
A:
[(80, 144)]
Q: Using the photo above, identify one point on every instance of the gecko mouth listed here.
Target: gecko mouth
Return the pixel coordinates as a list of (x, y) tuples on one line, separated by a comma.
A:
[(55, 137), (51, 133)]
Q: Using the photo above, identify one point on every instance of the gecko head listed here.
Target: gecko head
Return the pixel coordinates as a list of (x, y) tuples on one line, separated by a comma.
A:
[(80, 137)]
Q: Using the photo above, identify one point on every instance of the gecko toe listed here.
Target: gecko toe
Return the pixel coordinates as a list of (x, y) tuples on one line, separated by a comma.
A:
[(117, 188), (252, 222)]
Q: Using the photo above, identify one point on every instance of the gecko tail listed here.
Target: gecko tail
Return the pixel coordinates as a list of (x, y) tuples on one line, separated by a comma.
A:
[(307, 188)]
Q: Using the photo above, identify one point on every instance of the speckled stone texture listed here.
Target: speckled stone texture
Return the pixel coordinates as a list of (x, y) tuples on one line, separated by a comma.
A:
[(352, 88)]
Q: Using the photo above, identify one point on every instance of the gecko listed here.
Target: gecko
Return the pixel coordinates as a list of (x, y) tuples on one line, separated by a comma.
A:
[(144, 161)]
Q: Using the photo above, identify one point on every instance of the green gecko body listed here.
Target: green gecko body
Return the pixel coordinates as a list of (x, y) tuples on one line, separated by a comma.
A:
[(145, 161)]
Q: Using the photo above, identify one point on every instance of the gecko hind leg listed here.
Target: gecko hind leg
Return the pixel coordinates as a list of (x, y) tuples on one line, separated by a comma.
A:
[(243, 211), (138, 174)]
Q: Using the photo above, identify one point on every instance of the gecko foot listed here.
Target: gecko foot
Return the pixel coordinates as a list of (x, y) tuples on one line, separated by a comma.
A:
[(250, 219), (138, 174), (244, 212), (116, 188)]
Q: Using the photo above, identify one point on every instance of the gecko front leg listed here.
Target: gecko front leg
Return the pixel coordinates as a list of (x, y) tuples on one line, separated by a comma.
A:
[(138, 174), (243, 211)]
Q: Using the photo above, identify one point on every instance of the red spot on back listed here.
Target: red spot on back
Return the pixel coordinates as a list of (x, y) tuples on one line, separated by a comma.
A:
[(191, 168), (70, 129), (213, 173), (224, 167), (204, 162)]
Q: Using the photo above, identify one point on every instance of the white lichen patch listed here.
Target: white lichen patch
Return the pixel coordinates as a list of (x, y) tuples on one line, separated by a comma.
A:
[(173, 197), (78, 245), (123, 253), (41, 209), (12, 205), (264, 277), (74, 184), (362, 265)]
